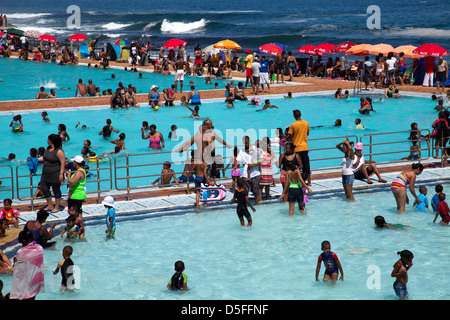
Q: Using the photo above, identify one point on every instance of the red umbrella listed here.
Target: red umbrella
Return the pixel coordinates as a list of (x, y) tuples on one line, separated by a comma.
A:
[(343, 47), (326, 47), (431, 49), (78, 37), (174, 43), (310, 49), (270, 48), (46, 37)]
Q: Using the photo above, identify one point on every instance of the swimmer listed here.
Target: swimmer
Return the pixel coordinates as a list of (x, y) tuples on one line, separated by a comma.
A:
[(63, 133), (120, 142), (194, 112), (267, 105), (338, 123), (358, 124), (106, 130), (442, 210), (45, 118), (16, 124), (381, 223), (289, 95)]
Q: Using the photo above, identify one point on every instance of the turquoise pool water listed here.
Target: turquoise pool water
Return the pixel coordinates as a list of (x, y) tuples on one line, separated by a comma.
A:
[(274, 259), (22, 79), (232, 124)]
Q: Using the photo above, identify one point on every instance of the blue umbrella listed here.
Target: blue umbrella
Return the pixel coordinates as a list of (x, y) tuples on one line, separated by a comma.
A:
[(282, 46)]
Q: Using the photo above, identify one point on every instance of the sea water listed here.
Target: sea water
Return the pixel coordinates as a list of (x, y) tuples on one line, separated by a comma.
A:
[(275, 259)]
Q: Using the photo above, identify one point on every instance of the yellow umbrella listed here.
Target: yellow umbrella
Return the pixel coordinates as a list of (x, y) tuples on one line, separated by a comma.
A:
[(357, 50), (408, 51), (379, 48), (227, 44)]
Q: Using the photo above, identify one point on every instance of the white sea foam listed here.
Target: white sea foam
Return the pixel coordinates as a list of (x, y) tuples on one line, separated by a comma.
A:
[(182, 27), (149, 26), (115, 26), (418, 32), (26, 15), (43, 30), (114, 35)]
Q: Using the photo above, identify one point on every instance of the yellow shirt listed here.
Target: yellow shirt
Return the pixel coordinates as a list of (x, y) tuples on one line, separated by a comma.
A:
[(299, 131), (249, 60)]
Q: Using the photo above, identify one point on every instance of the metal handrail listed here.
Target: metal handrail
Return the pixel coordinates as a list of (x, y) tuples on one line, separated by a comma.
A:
[(33, 187), (10, 178), (114, 167)]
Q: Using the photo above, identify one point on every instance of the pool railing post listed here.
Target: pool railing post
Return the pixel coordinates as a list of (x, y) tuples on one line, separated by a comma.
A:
[(128, 177), (98, 181)]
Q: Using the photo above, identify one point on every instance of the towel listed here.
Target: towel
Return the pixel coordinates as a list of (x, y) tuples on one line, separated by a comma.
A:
[(28, 276)]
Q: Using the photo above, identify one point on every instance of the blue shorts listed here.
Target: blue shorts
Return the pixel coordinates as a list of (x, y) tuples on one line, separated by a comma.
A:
[(199, 181), (400, 290), (183, 178), (330, 272), (348, 179)]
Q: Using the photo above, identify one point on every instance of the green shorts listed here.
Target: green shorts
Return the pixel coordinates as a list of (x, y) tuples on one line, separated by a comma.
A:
[(112, 232)]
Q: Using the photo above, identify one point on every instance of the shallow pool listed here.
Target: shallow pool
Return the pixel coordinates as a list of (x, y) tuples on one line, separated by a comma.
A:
[(22, 79), (274, 259), (232, 124)]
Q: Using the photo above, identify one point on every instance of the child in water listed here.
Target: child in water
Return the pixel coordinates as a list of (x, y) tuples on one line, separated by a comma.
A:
[(108, 202), (179, 279), (423, 197), (66, 271), (434, 201), (72, 230), (381, 223), (241, 198), (400, 272), (331, 262), (442, 210)]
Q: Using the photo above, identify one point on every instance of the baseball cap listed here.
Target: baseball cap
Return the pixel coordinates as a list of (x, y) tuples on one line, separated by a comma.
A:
[(78, 159)]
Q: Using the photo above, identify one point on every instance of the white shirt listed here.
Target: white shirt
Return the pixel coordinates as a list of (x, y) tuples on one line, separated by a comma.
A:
[(247, 158), (391, 63), (347, 166), (255, 69), (361, 161)]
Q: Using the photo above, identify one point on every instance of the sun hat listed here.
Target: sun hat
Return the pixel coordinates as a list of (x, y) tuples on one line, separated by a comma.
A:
[(153, 87), (359, 146), (78, 159), (108, 201)]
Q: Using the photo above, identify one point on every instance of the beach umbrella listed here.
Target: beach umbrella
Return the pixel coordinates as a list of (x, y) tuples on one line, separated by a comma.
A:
[(378, 48), (78, 37), (270, 48), (227, 44), (16, 32), (407, 51), (343, 47), (47, 37), (121, 42), (431, 49), (32, 34), (310, 49), (357, 50), (326, 47), (174, 43)]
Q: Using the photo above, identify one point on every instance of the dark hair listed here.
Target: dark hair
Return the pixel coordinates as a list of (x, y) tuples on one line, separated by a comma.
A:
[(33, 152), (240, 182), (42, 215), (379, 221), (25, 236), (324, 243), (153, 126), (441, 196), (7, 200), (55, 140), (71, 219), (417, 166), (439, 188), (297, 113), (179, 266), (407, 255)]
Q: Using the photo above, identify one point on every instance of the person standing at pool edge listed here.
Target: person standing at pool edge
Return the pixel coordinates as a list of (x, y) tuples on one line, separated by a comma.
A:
[(299, 131)]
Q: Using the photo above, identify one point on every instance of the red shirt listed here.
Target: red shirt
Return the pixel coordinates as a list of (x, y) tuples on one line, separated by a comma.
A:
[(442, 208), (429, 64)]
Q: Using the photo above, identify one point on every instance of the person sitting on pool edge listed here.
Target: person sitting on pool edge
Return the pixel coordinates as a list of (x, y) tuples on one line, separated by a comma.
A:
[(363, 171)]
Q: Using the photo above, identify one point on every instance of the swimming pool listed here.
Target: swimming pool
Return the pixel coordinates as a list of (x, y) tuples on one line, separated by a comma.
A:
[(274, 259), (232, 124), (22, 79)]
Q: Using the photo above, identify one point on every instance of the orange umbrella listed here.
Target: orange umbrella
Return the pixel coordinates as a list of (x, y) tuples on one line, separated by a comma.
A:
[(407, 51), (357, 50), (379, 48), (227, 44)]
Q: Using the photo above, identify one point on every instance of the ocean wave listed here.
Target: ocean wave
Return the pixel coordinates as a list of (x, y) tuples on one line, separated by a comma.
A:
[(418, 32), (43, 30), (115, 26), (26, 15), (149, 26), (182, 27)]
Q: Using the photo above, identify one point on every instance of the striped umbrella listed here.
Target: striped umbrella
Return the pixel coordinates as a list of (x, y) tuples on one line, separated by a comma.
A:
[(121, 42), (32, 34)]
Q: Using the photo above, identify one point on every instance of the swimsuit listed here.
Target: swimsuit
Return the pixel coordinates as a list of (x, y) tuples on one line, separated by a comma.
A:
[(237, 172), (329, 261), (400, 182), (295, 192), (195, 100), (155, 143)]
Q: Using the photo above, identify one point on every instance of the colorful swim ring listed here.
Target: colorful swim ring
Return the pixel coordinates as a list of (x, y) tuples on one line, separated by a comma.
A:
[(212, 193)]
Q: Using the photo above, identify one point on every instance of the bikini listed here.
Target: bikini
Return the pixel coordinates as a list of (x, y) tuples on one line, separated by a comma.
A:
[(400, 182)]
